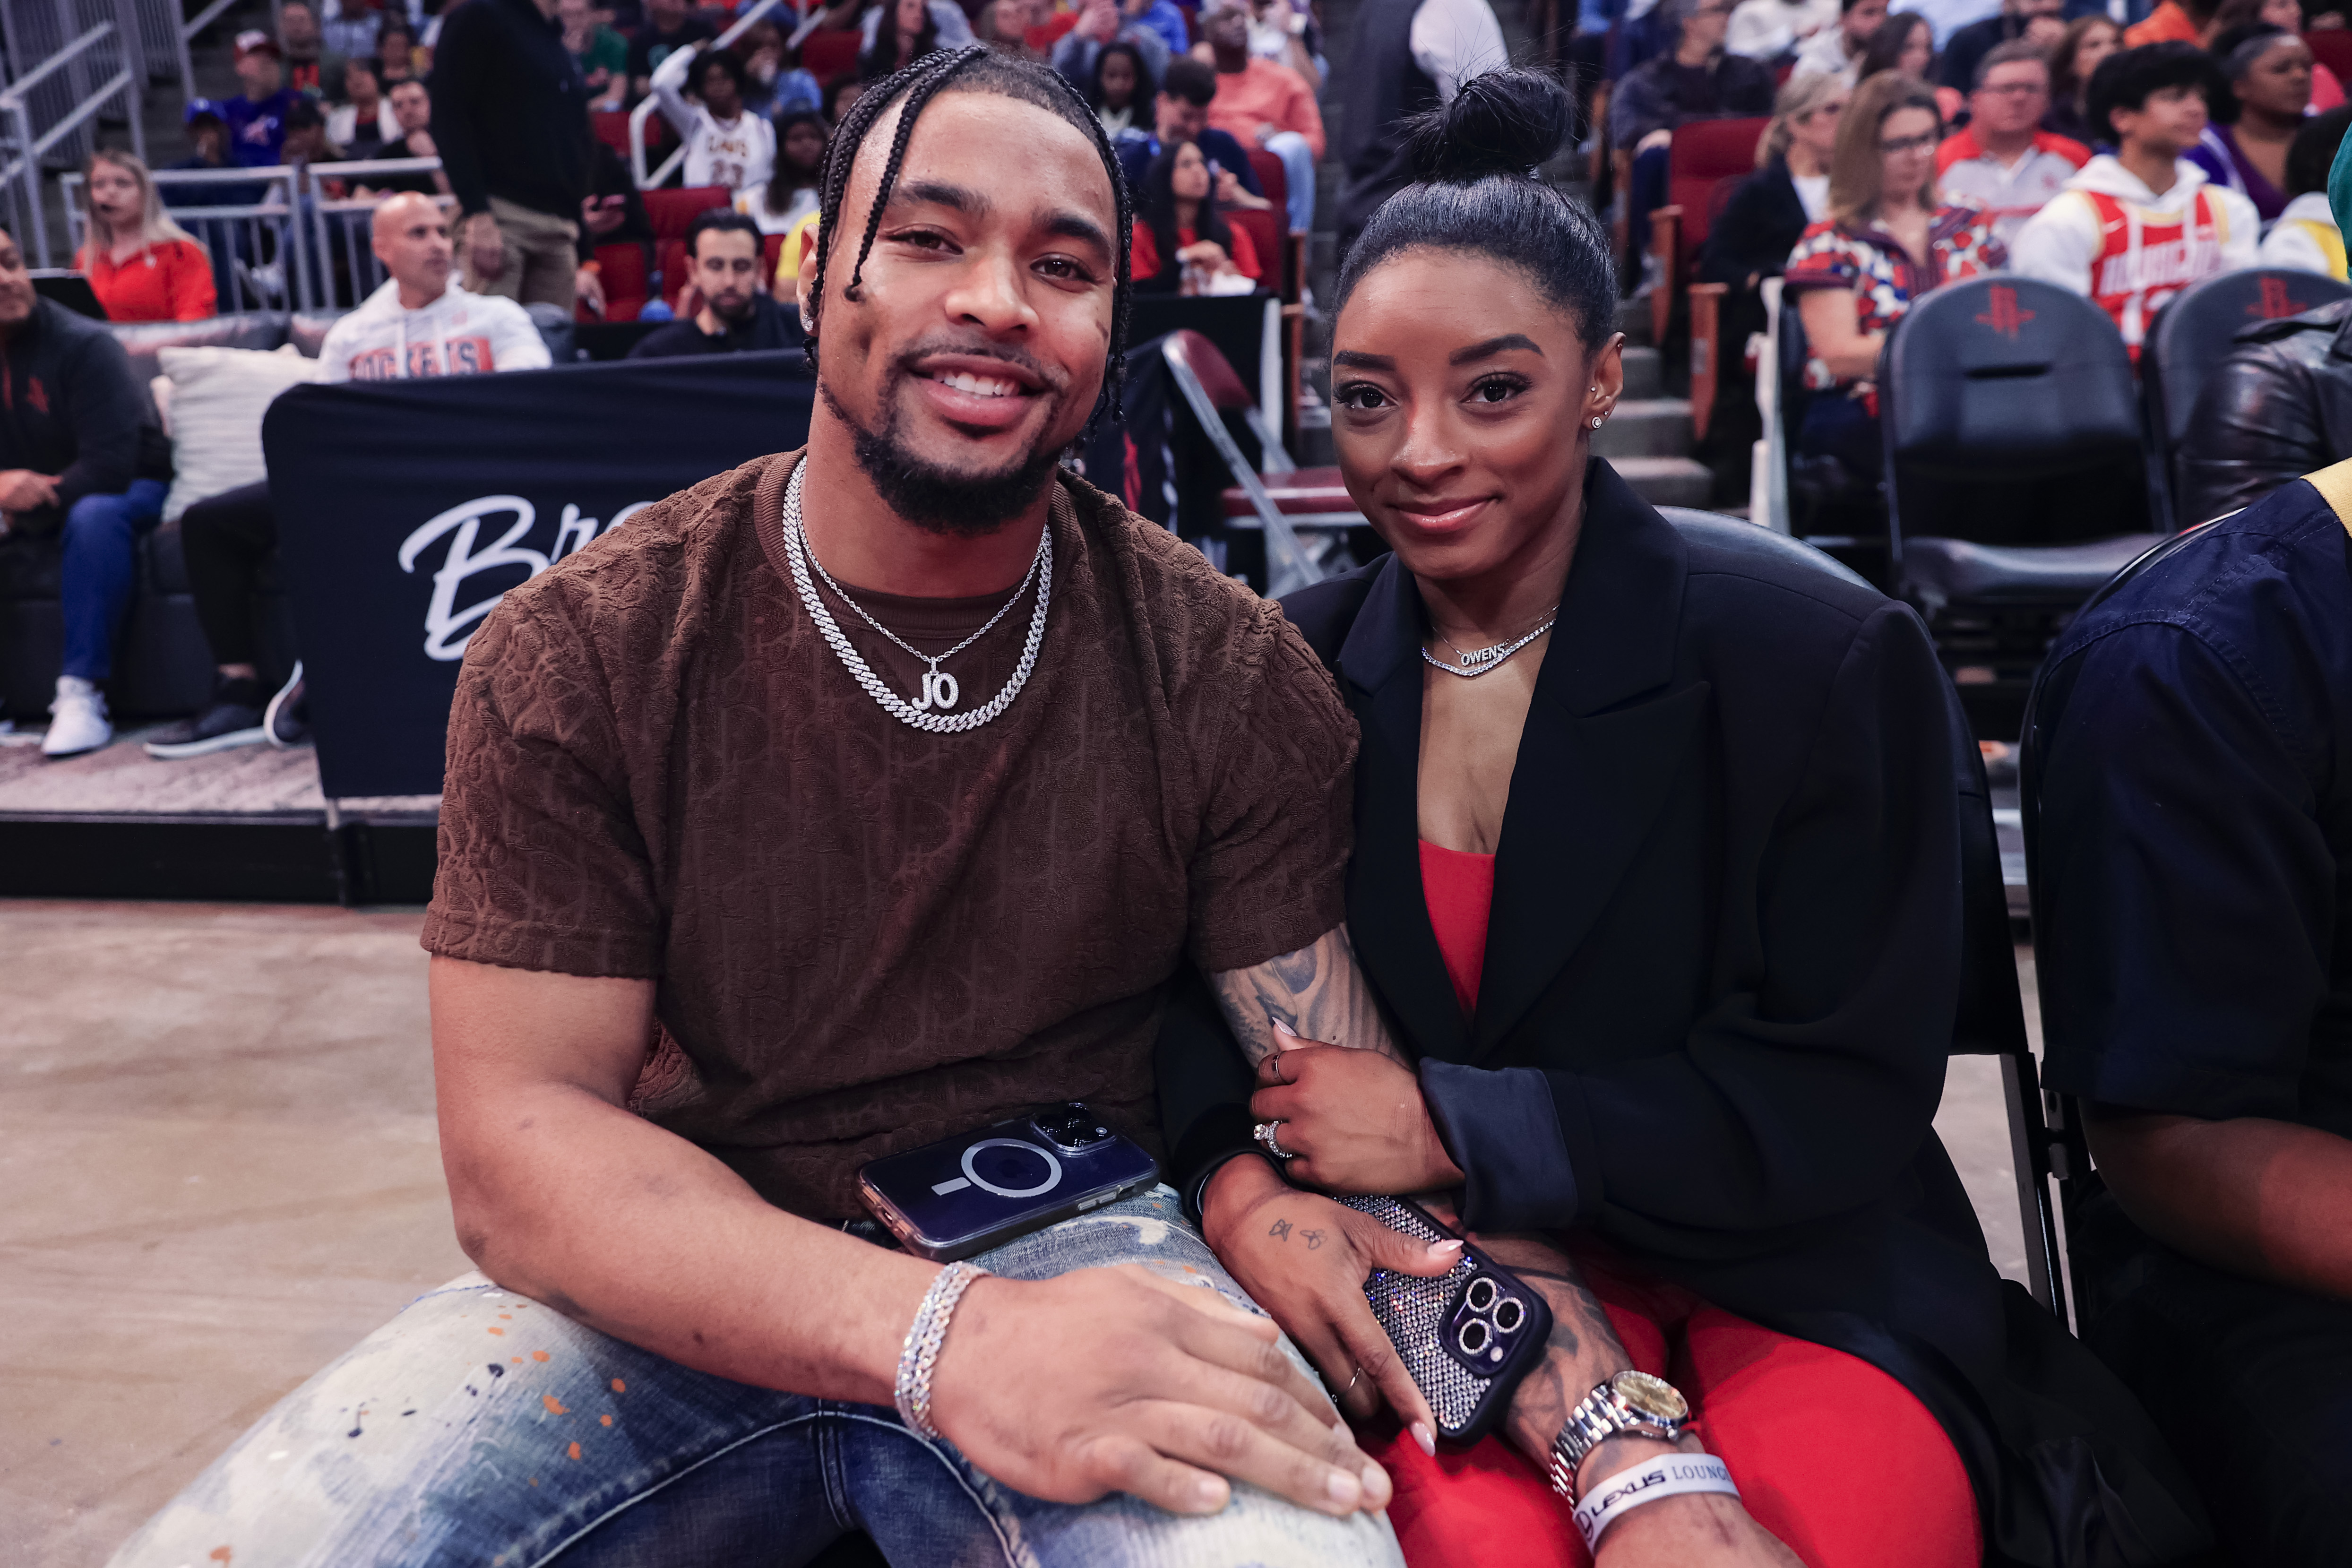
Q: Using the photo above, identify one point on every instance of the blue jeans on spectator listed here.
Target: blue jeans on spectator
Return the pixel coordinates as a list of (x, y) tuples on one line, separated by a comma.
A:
[(1836, 425), (1645, 193), (1298, 172), (101, 535), (481, 1427)]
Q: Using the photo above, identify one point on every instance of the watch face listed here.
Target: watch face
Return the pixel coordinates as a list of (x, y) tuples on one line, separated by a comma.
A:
[(1652, 1398)]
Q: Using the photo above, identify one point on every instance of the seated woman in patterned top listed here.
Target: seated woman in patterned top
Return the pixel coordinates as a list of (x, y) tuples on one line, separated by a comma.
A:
[(1887, 241)]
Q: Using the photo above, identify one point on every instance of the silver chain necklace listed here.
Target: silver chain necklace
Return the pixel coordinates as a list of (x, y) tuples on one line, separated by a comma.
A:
[(940, 690), (1487, 660)]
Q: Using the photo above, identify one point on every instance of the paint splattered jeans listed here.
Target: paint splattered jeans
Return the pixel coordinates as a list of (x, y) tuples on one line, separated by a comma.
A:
[(484, 1429)]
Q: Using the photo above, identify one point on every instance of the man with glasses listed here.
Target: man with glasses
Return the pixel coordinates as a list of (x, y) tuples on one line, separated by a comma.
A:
[(2003, 161)]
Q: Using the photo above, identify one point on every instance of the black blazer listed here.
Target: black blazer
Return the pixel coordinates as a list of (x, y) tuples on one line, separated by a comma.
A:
[(1720, 984), (1759, 224)]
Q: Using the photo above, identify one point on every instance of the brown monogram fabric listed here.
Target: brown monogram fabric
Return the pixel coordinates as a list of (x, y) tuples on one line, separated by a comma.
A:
[(868, 937)]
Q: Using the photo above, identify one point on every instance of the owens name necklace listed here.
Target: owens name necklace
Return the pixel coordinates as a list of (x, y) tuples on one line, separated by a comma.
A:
[(1481, 661), (940, 691)]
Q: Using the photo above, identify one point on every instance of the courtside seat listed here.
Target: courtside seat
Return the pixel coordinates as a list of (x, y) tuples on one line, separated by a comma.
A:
[(830, 52), (1707, 159), (1943, 572), (1307, 496)]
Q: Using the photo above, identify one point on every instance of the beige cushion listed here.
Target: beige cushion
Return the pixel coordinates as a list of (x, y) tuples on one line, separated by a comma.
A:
[(218, 397)]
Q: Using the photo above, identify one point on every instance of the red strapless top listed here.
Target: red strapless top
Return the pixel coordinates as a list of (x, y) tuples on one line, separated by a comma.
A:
[(1459, 889)]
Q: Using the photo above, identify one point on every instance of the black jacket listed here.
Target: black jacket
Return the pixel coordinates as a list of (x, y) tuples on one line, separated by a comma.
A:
[(771, 326), (1757, 228), (70, 406), (1970, 45), (1721, 981), (510, 111), (2278, 409)]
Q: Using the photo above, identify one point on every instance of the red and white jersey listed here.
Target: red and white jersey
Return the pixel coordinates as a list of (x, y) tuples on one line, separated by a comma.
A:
[(2110, 237), (456, 335)]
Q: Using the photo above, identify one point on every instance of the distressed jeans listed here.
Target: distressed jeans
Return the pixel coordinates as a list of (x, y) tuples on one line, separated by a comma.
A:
[(1298, 174), (482, 1428)]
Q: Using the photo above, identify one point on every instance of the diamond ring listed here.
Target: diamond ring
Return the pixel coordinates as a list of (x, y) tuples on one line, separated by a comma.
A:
[(1264, 1133)]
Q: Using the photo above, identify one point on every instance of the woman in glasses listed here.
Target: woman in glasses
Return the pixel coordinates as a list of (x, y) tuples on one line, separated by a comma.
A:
[(1887, 240)]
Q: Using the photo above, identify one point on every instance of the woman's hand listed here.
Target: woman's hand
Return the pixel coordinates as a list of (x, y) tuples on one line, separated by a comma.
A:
[(1304, 1258), (1206, 253), (1354, 1120)]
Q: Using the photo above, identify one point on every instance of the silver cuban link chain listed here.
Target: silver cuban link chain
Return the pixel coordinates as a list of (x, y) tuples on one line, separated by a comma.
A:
[(920, 1353), (940, 690)]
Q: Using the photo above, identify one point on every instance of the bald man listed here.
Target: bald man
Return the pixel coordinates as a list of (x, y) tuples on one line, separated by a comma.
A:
[(419, 323)]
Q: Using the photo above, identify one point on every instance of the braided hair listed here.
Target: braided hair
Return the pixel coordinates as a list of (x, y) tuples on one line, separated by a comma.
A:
[(972, 70)]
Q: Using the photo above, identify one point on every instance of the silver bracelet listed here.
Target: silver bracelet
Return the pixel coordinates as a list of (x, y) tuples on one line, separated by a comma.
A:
[(924, 1337)]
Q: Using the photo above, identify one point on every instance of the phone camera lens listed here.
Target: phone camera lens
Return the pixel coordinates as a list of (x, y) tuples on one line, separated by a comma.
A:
[(1509, 1316), (1481, 1295), (1474, 1337)]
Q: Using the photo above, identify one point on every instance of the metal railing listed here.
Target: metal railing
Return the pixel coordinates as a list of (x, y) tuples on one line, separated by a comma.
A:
[(27, 149), (650, 107), (282, 245)]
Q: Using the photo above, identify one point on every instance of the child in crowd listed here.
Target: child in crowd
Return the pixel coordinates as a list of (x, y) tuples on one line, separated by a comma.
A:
[(725, 143), (2137, 227), (791, 192)]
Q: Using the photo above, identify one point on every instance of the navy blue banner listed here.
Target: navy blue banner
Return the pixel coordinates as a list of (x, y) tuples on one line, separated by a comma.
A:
[(407, 508)]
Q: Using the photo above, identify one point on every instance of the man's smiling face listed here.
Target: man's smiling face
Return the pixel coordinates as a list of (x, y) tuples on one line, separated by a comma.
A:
[(974, 347)]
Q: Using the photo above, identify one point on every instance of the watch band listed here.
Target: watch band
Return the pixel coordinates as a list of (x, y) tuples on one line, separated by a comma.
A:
[(1602, 1414)]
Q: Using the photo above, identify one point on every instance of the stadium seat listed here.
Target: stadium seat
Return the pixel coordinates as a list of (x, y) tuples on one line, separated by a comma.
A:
[(2189, 338), (2015, 477), (624, 267), (611, 128), (1707, 159), (671, 268), (670, 211), (1268, 239), (1285, 266), (829, 53), (1829, 508), (2332, 46)]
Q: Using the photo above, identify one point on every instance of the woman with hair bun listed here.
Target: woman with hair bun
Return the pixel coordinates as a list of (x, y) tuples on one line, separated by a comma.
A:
[(1656, 872)]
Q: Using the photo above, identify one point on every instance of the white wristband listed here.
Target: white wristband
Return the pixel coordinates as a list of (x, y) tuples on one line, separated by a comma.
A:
[(1628, 1489)]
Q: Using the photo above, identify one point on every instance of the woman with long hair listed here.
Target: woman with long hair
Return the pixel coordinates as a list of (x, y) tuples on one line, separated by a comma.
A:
[(2088, 40), (1121, 91), (1887, 240), (1769, 210), (1905, 44), (1656, 871), (899, 32), (2244, 149), (143, 266), (1180, 230)]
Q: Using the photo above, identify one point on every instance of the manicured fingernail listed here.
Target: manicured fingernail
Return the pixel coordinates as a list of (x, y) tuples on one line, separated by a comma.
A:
[(1281, 1028), (1211, 1491), (1376, 1484), (1444, 1248), (1426, 1438), (1345, 1489)]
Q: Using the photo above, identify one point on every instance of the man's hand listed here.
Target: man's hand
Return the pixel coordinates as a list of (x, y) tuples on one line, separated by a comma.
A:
[(422, 145), (1266, 131), (485, 250), (1117, 1380), (22, 489), (1354, 1120), (588, 288), (1305, 1259), (1098, 21)]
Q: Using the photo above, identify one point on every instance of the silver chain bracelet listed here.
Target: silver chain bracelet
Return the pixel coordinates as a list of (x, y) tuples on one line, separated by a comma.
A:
[(924, 1337)]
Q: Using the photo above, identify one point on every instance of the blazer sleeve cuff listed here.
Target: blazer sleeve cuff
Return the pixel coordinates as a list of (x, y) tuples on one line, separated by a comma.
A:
[(1216, 1135), (1505, 1130)]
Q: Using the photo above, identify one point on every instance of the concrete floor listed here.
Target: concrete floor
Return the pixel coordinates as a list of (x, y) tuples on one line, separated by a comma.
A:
[(217, 1144)]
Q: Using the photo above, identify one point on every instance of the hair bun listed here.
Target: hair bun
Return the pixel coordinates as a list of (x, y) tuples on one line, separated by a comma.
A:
[(1501, 122)]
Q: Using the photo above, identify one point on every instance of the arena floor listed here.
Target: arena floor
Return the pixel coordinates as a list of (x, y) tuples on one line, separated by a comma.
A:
[(216, 1139)]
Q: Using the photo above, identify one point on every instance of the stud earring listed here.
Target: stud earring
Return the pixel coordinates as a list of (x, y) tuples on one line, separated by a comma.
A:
[(1596, 422)]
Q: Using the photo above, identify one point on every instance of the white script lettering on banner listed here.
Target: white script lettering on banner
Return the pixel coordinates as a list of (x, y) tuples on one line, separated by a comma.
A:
[(449, 624)]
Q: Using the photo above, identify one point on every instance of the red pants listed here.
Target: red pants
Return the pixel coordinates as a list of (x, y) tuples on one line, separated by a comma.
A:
[(1831, 1456)]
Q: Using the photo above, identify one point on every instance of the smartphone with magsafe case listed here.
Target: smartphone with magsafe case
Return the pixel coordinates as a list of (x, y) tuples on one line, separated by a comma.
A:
[(965, 1195)]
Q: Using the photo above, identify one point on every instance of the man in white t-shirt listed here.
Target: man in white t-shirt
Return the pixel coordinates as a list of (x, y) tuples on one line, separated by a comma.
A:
[(2004, 160), (1769, 29), (419, 323), (726, 144)]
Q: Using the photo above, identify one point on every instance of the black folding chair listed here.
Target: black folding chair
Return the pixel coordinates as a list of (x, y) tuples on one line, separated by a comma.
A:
[(2016, 479), (2188, 342), (1991, 1021)]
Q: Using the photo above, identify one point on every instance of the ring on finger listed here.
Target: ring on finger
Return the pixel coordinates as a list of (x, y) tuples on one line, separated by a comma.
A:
[(1354, 1374), (1264, 1133)]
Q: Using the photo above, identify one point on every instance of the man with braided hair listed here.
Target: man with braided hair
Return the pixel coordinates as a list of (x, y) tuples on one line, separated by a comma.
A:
[(860, 797)]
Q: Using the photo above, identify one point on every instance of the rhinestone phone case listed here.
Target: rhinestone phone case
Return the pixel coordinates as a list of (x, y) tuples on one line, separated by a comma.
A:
[(1466, 1337)]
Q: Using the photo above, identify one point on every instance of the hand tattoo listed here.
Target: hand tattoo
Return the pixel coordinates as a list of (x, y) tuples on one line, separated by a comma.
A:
[(1313, 1238), (1317, 992), (1279, 1230)]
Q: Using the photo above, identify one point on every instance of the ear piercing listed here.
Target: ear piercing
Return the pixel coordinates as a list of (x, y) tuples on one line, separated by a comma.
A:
[(1596, 422)]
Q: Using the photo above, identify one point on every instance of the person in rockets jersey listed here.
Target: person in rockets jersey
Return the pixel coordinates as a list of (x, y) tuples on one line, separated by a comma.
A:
[(419, 323), (2141, 224)]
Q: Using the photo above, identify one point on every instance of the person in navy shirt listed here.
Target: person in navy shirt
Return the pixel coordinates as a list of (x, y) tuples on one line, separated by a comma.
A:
[(256, 121), (2189, 823)]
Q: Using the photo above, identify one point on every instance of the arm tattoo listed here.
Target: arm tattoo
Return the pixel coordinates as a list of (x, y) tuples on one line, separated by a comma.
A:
[(1317, 992), (1583, 1348)]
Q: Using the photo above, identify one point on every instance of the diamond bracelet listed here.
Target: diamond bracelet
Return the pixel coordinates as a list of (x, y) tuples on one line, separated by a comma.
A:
[(924, 1337)]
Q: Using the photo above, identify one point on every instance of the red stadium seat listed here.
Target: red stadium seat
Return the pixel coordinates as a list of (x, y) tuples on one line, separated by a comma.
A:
[(670, 256), (771, 251), (830, 53), (1708, 157), (622, 268), (2332, 46), (1303, 493), (1264, 229), (611, 128), (670, 211), (1272, 181)]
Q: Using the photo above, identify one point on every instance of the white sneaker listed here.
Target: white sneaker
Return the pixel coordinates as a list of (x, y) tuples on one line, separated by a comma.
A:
[(78, 721)]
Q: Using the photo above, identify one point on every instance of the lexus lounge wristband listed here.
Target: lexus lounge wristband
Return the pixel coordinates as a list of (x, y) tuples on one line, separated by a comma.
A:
[(1670, 1475)]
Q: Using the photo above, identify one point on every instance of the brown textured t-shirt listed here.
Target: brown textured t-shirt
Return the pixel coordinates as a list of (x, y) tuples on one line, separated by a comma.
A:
[(868, 937)]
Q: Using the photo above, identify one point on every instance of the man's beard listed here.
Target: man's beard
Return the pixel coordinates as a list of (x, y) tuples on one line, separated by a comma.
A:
[(934, 498)]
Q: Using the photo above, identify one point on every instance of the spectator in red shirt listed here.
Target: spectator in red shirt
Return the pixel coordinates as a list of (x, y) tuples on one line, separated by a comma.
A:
[(1262, 104), (141, 265), (1182, 241)]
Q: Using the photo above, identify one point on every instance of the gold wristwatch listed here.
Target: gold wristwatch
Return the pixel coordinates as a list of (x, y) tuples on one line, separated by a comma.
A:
[(1630, 1403)]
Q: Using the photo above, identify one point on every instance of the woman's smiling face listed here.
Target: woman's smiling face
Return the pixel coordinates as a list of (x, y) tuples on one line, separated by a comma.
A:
[(1462, 400)]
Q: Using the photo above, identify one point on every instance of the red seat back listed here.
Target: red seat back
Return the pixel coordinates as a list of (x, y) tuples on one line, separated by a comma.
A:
[(771, 251), (670, 211), (1227, 392), (1708, 156), (830, 53), (611, 128), (622, 269), (2332, 46), (674, 267), (1272, 180), (1265, 230)]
